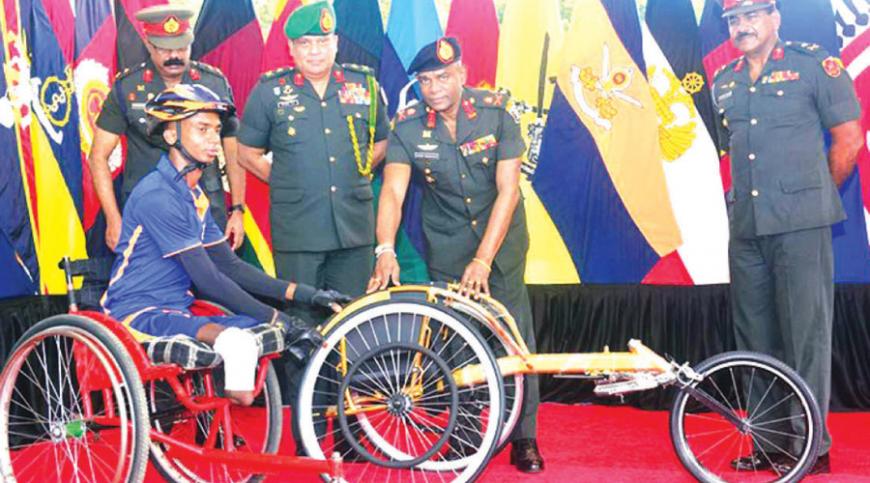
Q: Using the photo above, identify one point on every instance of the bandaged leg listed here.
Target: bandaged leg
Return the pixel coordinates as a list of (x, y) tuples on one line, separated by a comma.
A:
[(239, 350)]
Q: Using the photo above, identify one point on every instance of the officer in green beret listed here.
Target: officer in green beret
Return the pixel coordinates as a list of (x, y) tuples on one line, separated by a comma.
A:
[(169, 34), (468, 148), (325, 128), (775, 103)]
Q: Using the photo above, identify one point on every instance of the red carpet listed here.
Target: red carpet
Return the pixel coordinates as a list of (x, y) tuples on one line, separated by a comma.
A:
[(620, 444)]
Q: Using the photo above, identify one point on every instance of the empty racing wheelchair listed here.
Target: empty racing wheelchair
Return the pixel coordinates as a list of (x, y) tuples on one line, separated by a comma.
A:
[(82, 400), (421, 383)]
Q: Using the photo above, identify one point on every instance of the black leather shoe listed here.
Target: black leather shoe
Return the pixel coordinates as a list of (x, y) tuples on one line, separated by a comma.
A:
[(526, 457), (822, 465), (755, 461)]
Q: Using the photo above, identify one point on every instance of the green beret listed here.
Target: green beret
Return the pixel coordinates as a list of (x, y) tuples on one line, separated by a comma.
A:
[(316, 18)]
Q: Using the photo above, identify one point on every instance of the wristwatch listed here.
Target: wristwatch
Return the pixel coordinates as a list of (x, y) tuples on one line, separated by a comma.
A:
[(239, 207)]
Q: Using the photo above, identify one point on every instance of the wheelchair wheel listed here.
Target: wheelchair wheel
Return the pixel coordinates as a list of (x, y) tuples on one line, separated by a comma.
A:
[(744, 403), (72, 406), (405, 391), (479, 412), (256, 429), (513, 385)]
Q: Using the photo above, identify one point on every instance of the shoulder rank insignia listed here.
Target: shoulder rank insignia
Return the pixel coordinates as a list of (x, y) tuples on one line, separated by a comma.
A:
[(358, 68), (495, 99), (833, 66)]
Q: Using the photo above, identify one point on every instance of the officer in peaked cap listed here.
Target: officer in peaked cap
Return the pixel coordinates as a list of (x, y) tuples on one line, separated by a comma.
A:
[(169, 34), (775, 103), (468, 148), (326, 128)]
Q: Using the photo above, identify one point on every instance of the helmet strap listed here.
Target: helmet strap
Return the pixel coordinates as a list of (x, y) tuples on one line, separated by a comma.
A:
[(192, 163)]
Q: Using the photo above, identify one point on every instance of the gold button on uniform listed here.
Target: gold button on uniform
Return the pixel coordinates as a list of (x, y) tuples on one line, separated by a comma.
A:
[(752, 89), (333, 189), (332, 159), (462, 176), (323, 104), (327, 130), (467, 201), (780, 93), (473, 222), (752, 156), (754, 193), (753, 121), (485, 160)]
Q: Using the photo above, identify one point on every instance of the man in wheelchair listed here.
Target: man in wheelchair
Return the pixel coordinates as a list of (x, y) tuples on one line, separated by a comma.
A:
[(169, 241)]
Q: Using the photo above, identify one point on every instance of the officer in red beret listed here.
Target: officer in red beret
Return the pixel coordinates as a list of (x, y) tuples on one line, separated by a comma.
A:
[(169, 34)]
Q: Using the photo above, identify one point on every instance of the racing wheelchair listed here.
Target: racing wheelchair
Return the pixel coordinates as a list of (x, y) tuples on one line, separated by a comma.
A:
[(419, 383)]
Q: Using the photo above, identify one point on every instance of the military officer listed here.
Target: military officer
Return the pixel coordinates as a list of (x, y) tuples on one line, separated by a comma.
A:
[(326, 128), (169, 35), (774, 104), (468, 149)]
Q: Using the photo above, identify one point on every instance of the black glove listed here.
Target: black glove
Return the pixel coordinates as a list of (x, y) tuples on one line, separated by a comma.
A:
[(324, 298), (300, 339)]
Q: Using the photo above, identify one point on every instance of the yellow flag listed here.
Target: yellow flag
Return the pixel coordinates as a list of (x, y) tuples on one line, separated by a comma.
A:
[(529, 44)]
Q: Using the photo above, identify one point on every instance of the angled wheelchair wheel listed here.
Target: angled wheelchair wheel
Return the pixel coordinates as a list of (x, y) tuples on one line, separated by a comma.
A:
[(256, 429), (409, 400), (746, 402), (72, 406), (360, 337)]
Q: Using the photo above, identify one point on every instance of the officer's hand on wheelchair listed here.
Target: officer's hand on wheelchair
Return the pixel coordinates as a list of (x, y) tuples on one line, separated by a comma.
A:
[(386, 272), (475, 279), (301, 340)]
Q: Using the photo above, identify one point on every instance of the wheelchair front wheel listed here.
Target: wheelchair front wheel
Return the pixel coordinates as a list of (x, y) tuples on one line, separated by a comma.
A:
[(746, 403)]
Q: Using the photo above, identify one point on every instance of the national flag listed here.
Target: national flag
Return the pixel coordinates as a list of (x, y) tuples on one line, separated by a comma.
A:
[(131, 36), (673, 26), (475, 24), (94, 70), (600, 174), (223, 29), (411, 25), (360, 30), (691, 168), (529, 45), (276, 53), (46, 120), (17, 249), (854, 32)]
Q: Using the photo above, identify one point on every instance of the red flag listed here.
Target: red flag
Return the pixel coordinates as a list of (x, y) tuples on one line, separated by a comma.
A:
[(277, 53), (475, 24)]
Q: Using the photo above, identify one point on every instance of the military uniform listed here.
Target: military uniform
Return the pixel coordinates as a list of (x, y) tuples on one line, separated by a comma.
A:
[(783, 202), (321, 205), (123, 113), (460, 190)]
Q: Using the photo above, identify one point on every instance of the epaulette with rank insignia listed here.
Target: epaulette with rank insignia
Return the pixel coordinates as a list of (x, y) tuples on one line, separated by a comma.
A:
[(206, 68), (362, 69), (128, 70), (275, 73), (807, 48), (490, 99), (725, 67)]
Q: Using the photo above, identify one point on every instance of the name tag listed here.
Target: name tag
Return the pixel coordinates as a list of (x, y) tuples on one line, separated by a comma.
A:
[(425, 155), (478, 145)]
